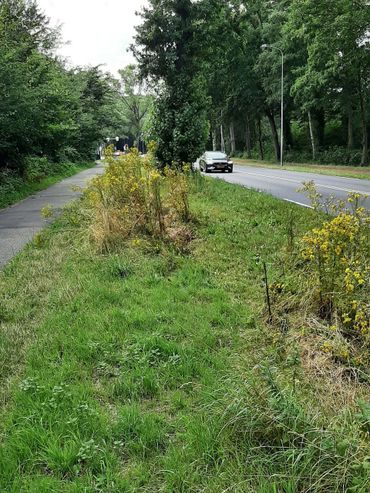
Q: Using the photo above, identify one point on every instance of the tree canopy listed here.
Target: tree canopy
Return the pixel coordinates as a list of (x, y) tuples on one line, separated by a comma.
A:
[(212, 83), (46, 109), (210, 70)]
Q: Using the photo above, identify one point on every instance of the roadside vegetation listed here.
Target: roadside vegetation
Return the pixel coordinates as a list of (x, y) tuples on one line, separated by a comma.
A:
[(172, 333), (54, 117), (226, 362), (362, 173), (134, 200), (14, 188), (219, 68)]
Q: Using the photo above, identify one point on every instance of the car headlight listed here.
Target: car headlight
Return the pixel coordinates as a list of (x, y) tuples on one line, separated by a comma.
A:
[(230, 162), (209, 161)]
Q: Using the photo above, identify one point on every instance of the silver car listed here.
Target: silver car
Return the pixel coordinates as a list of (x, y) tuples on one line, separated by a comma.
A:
[(215, 161)]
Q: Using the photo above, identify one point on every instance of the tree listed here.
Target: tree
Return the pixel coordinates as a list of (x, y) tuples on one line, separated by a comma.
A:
[(326, 54), (33, 90), (45, 109), (336, 71), (168, 51), (97, 111), (135, 102)]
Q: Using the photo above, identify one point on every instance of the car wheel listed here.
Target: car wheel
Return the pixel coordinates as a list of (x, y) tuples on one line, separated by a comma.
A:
[(231, 170)]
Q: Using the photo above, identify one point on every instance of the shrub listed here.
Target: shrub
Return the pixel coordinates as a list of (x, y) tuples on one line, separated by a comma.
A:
[(68, 154), (10, 181), (133, 199), (178, 192), (36, 168), (340, 156), (334, 155)]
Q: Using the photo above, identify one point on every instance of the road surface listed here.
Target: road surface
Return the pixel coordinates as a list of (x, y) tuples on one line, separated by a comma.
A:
[(20, 222), (284, 183)]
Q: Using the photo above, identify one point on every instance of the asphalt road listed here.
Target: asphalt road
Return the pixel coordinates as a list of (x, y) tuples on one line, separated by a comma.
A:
[(20, 222), (284, 183)]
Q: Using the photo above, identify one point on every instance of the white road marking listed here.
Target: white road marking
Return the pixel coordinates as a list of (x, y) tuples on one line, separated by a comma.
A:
[(298, 203), (300, 182)]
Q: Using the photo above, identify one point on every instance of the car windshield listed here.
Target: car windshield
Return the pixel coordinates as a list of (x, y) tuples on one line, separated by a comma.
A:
[(215, 155)]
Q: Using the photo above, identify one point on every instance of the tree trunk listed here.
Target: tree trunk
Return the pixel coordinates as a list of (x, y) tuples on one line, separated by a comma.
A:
[(222, 138), (320, 126), (365, 139), (214, 141), (312, 135), (248, 145), (350, 140), (232, 138), (274, 133), (260, 143), (288, 137)]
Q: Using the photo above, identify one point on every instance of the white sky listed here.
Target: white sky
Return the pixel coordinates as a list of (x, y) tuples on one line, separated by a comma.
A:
[(99, 31)]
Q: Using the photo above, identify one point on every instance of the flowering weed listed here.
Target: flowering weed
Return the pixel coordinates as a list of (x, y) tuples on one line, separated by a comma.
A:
[(337, 261), (133, 199)]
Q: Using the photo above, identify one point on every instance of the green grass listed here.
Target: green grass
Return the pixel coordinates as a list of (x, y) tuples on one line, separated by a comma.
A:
[(146, 371), (18, 189), (345, 171)]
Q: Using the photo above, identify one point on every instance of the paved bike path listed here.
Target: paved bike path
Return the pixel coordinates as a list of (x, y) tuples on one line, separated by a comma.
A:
[(19, 223)]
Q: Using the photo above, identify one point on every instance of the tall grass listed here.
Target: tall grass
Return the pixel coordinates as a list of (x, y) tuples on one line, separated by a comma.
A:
[(148, 370)]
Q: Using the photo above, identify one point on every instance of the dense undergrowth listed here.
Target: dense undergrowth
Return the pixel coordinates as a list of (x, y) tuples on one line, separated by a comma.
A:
[(152, 368), (331, 156)]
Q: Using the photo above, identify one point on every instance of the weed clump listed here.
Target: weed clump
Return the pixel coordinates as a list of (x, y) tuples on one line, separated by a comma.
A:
[(134, 201), (334, 259)]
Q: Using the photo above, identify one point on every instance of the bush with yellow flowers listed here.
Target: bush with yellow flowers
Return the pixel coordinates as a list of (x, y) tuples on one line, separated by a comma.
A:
[(132, 199), (178, 187), (337, 259)]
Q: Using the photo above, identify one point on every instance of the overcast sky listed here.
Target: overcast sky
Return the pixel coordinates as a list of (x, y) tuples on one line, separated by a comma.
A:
[(99, 31)]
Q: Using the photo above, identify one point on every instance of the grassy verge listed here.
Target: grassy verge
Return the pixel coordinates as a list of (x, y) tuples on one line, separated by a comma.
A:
[(345, 171), (19, 189), (153, 372)]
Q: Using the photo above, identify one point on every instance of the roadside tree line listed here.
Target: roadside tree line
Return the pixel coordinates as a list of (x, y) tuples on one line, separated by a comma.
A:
[(51, 113), (217, 86)]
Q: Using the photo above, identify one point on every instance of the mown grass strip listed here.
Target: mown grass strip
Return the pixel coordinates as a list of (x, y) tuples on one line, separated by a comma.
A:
[(362, 173)]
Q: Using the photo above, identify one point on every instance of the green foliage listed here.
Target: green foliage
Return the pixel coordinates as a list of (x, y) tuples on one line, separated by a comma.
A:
[(36, 168), (168, 45), (334, 155), (136, 103), (326, 79), (46, 110), (181, 131)]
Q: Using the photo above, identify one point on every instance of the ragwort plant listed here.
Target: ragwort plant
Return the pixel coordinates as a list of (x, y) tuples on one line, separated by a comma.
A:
[(337, 256), (178, 191), (133, 200)]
